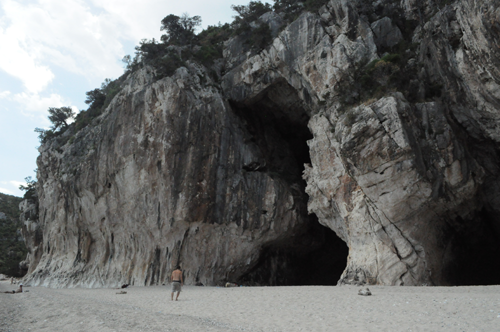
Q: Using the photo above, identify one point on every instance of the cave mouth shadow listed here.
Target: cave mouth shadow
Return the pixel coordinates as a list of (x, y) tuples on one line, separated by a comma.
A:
[(318, 261), (473, 258), (277, 124)]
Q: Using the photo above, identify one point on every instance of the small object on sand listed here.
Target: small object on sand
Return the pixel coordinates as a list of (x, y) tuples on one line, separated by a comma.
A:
[(364, 292), (123, 286), (19, 290), (122, 292), (231, 284)]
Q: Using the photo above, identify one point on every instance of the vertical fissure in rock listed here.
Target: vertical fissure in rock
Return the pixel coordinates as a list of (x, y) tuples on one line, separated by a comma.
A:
[(276, 125)]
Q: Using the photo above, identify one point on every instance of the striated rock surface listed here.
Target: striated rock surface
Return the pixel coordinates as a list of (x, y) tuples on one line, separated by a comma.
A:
[(31, 231), (393, 108), (398, 181), (164, 177)]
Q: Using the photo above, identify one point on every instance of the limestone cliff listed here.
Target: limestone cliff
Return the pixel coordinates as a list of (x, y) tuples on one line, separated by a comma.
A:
[(392, 107)]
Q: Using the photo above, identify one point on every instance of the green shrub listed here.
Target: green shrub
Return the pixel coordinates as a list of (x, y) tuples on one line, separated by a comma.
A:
[(290, 8), (394, 58), (207, 54), (293, 8), (260, 37), (167, 65), (180, 30), (247, 14), (111, 90)]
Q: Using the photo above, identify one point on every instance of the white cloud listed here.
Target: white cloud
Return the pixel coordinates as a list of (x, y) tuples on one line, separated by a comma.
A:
[(17, 62), (43, 34), (32, 104), (6, 191), (84, 36), (14, 185), (4, 94), (17, 183)]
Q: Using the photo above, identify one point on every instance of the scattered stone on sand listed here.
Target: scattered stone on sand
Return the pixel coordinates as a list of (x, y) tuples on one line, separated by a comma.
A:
[(252, 309), (364, 292)]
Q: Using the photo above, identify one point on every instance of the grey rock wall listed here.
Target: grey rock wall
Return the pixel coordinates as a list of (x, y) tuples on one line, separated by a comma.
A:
[(183, 170), (398, 181), (158, 180)]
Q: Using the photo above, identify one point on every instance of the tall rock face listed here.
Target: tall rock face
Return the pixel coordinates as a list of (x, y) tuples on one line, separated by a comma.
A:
[(391, 106), (166, 176), (406, 179)]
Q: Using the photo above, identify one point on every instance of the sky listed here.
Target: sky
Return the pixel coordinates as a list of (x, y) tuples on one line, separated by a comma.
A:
[(53, 51)]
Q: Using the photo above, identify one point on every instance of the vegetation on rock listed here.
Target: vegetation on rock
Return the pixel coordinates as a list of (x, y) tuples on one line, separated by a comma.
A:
[(179, 44), (29, 188), (59, 116), (12, 247), (98, 100), (293, 8)]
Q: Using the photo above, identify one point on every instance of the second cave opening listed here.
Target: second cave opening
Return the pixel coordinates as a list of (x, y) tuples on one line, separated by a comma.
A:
[(276, 121)]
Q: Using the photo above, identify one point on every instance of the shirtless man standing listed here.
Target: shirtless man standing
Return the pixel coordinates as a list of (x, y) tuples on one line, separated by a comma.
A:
[(176, 282)]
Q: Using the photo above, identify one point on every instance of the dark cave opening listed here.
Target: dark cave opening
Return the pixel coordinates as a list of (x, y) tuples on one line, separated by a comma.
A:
[(276, 122), (319, 258), (473, 258)]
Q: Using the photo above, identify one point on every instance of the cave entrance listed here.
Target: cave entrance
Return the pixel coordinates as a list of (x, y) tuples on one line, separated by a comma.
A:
[(318, 260), (276, 121), (473, 258)]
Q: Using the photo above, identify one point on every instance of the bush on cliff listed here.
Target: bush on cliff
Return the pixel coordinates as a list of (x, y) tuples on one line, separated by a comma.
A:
[(29, 188), (98, 100), (260, 37), (293, 8), (211, 41), (179, 44), (60, 117), (179, 30), (248, 14)]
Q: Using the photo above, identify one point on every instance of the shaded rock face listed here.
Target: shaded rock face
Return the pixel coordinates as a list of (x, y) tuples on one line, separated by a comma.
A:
[(31, 232), (12, 247), (402, 183), (244, 181)]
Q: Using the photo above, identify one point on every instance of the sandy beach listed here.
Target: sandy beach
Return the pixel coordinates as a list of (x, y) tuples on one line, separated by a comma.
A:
[(306, 308)]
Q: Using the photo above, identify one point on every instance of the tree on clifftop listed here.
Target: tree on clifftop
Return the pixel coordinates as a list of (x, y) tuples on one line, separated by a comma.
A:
[(29, 188), (59, 117), (250, 12), (180, 30)]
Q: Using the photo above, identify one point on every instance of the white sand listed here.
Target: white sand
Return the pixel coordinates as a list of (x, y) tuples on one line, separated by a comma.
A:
[(252, 309)]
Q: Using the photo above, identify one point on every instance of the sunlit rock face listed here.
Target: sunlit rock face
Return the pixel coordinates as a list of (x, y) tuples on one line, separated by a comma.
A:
[(165, 177), (220, 178)]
